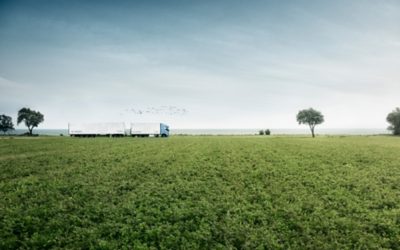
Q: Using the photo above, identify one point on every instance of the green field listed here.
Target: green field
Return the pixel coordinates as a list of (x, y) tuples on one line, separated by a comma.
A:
[(216, 192)]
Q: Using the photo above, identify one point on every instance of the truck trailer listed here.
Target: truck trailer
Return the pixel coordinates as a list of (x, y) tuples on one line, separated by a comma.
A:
[(149, 129), (96, 129)]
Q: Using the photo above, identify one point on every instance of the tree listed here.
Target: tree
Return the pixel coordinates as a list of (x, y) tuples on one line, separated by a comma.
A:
[(6, 123), (31, 118), (311, 117), (394, 119)]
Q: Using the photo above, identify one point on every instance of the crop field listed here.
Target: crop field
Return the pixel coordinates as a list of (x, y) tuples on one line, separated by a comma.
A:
[(200, 192)]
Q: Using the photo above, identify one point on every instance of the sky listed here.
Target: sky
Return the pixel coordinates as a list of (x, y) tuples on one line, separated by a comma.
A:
[(201, 64)]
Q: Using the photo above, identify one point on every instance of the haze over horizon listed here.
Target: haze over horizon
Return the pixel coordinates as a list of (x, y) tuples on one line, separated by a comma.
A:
[(201, 64)]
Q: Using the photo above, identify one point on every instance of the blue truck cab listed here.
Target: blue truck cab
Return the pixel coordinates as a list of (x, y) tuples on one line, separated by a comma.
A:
[(164, 130)]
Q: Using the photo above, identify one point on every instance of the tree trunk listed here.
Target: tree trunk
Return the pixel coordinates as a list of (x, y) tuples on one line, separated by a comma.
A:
[(312, 131), (30, 130)]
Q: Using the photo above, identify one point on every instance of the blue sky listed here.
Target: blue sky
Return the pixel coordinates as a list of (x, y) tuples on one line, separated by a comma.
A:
[(201, 64)]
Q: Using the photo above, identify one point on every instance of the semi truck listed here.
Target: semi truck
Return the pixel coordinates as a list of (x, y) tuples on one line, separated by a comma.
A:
[(96, 129), (149, 129)]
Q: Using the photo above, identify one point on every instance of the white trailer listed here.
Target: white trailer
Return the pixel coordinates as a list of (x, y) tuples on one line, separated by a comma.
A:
[(149, 129), (96, 129)]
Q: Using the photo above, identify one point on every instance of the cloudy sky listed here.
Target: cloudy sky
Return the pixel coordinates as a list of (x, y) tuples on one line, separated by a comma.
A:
[(201, 64)]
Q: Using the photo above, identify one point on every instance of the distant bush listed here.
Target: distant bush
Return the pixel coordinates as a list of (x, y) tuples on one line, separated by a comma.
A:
[(394, 119), (264, 132)]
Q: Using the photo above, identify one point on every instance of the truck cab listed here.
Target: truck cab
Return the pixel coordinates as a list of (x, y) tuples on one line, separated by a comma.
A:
[(164, 130)]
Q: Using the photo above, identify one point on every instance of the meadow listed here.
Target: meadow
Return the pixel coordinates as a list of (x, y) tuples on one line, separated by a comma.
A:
[(200, 192)]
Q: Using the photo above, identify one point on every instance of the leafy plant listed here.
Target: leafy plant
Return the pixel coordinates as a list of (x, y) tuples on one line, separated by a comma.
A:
[(200, 192)]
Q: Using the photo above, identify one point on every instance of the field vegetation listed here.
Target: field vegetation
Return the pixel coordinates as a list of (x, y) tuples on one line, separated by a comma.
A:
[(204, 192)]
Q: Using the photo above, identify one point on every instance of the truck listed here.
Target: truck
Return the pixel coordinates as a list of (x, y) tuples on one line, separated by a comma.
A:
[(111, 129), (149, 129)]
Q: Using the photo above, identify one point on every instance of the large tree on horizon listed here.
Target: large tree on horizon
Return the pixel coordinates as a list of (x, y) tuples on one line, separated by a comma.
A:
[(31, 118), (311, 117), (394, 119), (6, 123)]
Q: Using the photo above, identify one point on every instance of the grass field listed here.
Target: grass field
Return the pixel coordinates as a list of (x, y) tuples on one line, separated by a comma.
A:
[(217, 192)]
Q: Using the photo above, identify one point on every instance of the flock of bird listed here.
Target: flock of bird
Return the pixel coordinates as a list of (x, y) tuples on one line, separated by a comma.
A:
[(161, 110)]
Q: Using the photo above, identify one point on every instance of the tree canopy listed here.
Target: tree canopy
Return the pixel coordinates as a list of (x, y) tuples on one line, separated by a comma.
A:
[(6, 123), (394, 119), (311, 117), (31, 118)]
